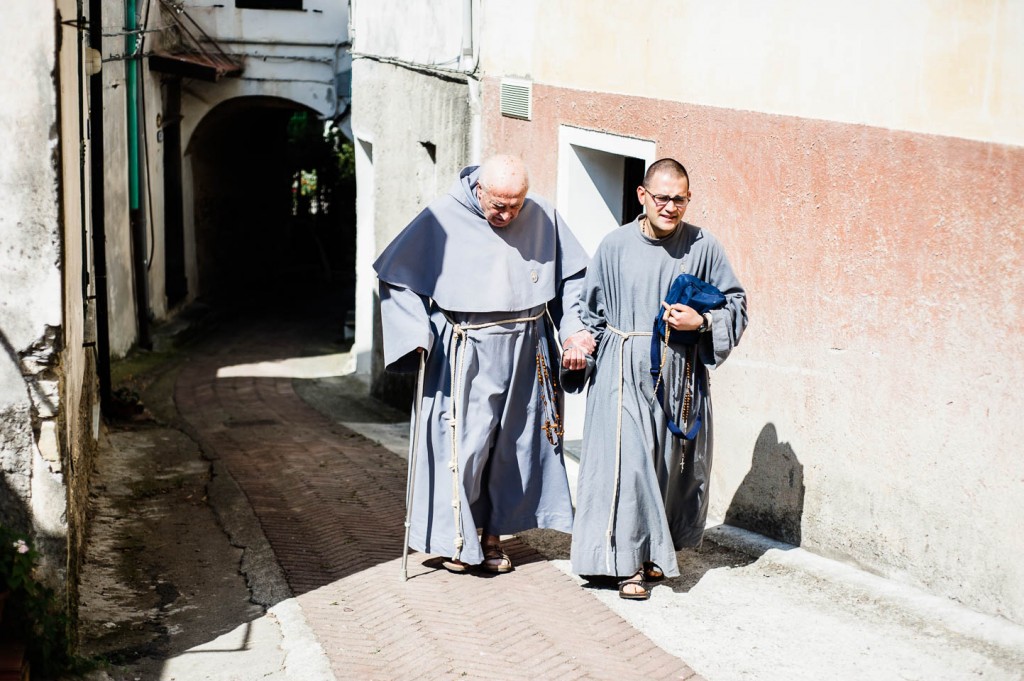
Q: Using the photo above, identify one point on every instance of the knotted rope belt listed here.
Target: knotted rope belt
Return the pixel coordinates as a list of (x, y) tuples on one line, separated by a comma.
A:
[(625, 336), (458, 356)]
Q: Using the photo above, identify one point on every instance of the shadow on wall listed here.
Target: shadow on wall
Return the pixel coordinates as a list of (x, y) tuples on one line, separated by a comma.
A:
[(24, 411), (770, 500), (15, 450), (13, 512), (35, 365)]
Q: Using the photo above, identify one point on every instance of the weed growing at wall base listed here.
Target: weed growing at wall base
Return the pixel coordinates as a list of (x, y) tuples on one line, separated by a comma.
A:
[(32, 610)]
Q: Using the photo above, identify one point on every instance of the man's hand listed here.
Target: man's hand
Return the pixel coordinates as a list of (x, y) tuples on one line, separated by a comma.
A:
[(576, 349), (681, 317), (583, 340)]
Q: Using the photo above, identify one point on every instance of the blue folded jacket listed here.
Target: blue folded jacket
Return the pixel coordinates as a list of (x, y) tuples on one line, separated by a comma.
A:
[(702, 297), (694, 292)]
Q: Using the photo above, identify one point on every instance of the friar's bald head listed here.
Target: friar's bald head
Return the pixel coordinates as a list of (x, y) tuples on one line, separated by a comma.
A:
[(502, 188)]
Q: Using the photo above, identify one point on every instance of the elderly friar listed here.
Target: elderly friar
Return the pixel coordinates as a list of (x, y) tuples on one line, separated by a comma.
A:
[(484, 287)]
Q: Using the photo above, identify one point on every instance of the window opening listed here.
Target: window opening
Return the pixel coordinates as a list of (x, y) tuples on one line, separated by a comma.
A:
[(268, 4)]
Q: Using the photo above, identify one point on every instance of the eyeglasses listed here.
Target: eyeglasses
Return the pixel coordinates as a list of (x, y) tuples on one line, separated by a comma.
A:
[(661, 199)]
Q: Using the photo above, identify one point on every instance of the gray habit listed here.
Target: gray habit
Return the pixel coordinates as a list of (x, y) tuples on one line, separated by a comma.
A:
[(656, 502), (450, 270)]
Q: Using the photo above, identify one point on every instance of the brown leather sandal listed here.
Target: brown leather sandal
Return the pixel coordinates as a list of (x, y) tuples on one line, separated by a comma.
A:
[(652, 573), (637, 580), (456, 566), (496, 560)]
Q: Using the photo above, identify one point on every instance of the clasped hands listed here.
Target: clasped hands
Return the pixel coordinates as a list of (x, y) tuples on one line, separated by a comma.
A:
[(576, 349), (678, 317), (578, 346)]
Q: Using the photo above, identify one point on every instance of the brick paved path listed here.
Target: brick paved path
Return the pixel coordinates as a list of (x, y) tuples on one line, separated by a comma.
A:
[(331, 504)]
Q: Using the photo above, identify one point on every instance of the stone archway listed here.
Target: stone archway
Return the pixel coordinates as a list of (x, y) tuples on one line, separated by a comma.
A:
[(260, 230)]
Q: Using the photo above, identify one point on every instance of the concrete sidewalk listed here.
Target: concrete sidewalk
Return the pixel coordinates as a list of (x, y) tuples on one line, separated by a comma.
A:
[(305, 480), (747, 607)]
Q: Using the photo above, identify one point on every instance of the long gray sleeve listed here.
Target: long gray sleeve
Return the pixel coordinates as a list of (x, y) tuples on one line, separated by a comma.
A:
[(571, 321), (589, 306), (729, 322), (406, 323)]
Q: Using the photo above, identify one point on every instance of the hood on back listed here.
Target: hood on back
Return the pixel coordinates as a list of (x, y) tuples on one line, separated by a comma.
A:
[(464, 189)]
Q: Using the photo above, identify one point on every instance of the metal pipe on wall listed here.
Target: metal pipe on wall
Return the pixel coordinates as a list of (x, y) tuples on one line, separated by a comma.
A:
[(99, 234), (132, 86), (138, 233), (82, 146), (468, 64)]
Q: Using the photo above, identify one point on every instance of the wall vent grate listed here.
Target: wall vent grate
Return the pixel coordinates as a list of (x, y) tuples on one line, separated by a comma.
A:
[(516, 98)]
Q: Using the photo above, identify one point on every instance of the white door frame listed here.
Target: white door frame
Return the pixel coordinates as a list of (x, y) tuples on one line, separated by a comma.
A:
[(571, 171)]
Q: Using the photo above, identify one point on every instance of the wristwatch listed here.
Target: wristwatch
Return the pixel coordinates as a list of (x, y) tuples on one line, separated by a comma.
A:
[(706, 325)]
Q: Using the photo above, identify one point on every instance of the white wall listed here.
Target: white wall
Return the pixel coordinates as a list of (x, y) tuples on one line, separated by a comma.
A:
[(410, 70), (31, 305), (430, 34), (293, 55), (120, 285), (404, 179), (151, 184), (589, 197), (47, 380), (946, 67), (65, 431), (366, 253)]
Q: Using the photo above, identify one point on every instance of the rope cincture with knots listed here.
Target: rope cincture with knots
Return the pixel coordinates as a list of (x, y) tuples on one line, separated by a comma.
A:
[(625, 336), (610, 533), (460, 332)]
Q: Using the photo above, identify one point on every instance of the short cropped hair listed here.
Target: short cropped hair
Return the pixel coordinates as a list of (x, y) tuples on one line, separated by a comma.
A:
[(666, 165)]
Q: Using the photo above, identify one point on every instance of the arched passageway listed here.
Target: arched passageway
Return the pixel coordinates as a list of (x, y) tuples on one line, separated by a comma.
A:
[(274, 208)]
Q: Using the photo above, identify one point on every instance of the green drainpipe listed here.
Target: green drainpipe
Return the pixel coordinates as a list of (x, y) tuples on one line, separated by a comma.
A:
[(138, 232), (132, 78)]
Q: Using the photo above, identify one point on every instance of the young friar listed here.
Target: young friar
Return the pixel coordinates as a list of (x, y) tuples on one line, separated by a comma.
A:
[(642, 493)]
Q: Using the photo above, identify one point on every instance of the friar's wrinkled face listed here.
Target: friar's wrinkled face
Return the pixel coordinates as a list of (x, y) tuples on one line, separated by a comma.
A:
[(500, 206)]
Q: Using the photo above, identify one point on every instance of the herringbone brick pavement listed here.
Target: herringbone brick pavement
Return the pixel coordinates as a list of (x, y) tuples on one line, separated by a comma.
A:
[(331, 504)]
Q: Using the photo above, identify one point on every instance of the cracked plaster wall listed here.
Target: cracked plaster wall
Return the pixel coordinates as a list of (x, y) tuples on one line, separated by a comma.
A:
[(47, 376), (418, 151)]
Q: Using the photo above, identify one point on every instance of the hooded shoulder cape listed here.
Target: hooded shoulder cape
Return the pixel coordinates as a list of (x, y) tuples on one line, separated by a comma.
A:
[(451, 254)]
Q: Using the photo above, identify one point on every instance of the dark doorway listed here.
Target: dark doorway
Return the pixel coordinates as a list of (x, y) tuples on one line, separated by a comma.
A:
[(268, 4), (274, 207), (632, 177)]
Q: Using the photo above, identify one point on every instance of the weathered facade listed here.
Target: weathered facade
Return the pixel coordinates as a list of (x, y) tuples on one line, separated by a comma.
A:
[(111, 111), (49, 409), (861, 165), (415, 124), (290, 57)]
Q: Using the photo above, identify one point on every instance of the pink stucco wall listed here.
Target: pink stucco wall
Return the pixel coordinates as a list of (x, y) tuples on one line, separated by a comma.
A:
[(833, 211), (884, 274)]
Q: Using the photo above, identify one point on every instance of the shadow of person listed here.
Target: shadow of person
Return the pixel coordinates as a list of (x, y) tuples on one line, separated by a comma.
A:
[(770, 500), (697, 562)]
